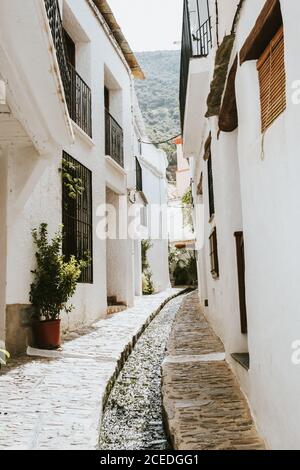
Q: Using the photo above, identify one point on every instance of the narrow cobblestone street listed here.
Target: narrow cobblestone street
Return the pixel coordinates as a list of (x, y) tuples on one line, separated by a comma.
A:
[(203, 405), (56, 403)]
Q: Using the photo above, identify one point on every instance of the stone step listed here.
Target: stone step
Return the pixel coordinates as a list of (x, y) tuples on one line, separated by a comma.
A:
[(115, 309)]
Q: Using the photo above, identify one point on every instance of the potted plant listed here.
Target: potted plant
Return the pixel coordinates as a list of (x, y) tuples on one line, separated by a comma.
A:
[(54, 283)]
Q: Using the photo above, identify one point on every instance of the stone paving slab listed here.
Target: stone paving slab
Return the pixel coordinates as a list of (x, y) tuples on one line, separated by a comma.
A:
[(57, 403), (204, 408)]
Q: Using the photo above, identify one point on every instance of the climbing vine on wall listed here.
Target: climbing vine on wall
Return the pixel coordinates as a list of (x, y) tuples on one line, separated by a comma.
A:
[(73, 185)]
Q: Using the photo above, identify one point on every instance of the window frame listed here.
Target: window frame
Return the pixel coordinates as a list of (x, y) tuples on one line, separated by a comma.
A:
[(213, 254), (77, 219)]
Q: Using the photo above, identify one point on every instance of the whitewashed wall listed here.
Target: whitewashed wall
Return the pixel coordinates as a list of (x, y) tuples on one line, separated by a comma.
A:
[(96, 55), (260, 197), (154, 163)]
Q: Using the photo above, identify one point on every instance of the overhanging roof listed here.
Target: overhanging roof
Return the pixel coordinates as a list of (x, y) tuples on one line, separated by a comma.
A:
[(110, 19)]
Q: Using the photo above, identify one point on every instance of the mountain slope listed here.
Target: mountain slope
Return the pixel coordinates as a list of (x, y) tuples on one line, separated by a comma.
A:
[(158, 98)]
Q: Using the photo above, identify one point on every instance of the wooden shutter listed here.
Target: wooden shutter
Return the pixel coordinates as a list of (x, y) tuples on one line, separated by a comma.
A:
[(272, 80)]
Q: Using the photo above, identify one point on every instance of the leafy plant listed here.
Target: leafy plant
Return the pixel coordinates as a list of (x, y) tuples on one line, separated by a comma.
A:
[(183, 266), (55, 279), (148, 286), (146, 246), (3, 356), (74, 185), (187, 203)]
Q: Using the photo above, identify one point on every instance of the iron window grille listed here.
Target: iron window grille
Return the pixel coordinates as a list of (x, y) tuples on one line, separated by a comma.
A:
[(77, 218), (213, 253), (196, 42), (114, 139)]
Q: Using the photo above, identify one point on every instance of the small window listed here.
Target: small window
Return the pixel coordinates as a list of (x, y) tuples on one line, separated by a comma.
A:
[(214, 260), (272, 80), (77, 217), (210, 186), (106, 98), (240, 257), (70, 49)]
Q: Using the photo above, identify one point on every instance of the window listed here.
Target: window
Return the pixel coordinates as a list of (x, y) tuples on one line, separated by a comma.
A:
[(210, 186), (240, 256), (272, 80), (70, 49), (77, 217), (214, 260), (106, 98)]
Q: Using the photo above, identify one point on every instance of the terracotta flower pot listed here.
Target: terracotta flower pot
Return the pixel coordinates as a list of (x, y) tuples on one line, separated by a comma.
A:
[(46, 334)]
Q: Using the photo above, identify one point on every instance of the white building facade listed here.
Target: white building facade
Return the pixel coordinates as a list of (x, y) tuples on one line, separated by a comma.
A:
[(240, 115), (152, 200), (66, 94)]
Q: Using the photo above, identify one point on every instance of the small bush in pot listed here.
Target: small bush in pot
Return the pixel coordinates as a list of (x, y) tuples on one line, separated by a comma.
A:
[(55, 281)]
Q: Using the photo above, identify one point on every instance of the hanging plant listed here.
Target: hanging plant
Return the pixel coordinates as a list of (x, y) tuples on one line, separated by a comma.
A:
[(73, 185)]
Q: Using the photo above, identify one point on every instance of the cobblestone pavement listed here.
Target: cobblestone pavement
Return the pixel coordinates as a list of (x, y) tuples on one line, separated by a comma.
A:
[(133, 415), (57, 403), (204, 408)]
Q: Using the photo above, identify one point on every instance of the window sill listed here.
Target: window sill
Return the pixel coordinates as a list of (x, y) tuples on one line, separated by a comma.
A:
[(116, 165), (80, 133), (243, 359)]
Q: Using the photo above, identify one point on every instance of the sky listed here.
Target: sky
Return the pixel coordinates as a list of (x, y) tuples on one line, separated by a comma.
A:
[(149, 25)]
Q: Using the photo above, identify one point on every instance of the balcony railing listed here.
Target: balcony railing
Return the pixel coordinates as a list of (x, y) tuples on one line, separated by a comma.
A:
[(196, 42), (139, 175), (114, 139), (80, 102), (56, 27), (78, 94)]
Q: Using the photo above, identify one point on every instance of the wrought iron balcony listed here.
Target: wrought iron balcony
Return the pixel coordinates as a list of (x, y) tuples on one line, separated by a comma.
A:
[(114, 139), (78, 94), (57, 31), (139, 175), (196, 41), (80, 102)]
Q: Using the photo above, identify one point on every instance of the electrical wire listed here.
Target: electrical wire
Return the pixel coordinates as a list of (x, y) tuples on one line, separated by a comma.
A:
[(159, 143)]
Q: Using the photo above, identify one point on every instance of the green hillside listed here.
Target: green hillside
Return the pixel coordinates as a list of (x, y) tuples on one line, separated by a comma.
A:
[(159, 98)]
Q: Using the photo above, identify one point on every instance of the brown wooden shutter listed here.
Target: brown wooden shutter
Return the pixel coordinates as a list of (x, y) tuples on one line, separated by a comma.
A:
[(272, 80)]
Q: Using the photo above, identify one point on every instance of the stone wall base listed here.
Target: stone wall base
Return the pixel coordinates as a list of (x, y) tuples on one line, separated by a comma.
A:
[(17, 326)]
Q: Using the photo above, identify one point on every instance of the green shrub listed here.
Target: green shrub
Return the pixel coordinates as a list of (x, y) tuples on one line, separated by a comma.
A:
[(55, 279), (148, 286)]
